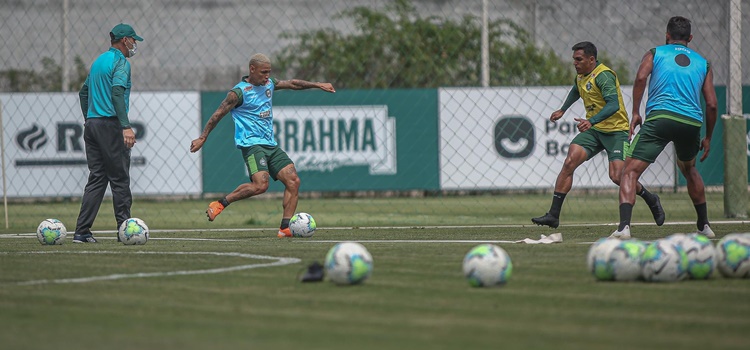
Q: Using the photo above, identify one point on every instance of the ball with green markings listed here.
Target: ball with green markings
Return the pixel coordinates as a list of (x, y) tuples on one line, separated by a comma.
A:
[(487, 265), (733, 255), (664, 261), (133, 231), (51, 232), (302, 225), (700, 252), (348, 263)]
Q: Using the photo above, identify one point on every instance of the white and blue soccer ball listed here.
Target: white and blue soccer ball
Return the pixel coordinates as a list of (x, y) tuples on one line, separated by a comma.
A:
[(133, 231), (302, 225), (612, 259), (348, 263), (597, 260), (51, 232), (733, 255), (700, 252), (487, 265), (625, 260), (664, 261)]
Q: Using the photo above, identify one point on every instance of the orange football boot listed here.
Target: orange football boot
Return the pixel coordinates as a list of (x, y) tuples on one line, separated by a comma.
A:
[(284, 233), (214, 209)]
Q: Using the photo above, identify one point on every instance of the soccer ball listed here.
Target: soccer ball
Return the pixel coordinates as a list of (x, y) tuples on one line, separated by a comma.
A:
[(700, 252), (133, 231), (348, 263), (302, 225), (487, 265), (625, 260), (733, 255), (51, 232), (597, 259), (664, 261)]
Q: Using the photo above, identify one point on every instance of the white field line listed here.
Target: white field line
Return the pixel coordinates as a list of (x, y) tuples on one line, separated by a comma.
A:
[(280, 261), (713, 223)]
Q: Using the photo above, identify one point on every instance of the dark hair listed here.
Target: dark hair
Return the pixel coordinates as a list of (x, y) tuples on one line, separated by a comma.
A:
[(678, 28), (588, 48)]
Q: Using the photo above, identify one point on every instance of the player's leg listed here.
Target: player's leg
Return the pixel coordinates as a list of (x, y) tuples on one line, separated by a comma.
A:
[(576, 156), (258, 185), (282, 169), (288, 176), (687, 146), (255, 159), (616, 145), (696, 190), (643, 150)]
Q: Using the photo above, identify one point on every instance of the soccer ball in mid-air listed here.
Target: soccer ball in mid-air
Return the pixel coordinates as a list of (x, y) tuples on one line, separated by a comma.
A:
[(51, 232), (348, 263), (733, 255), (133, 231), (664, 261), (302, 225), (487, 265), (700, 252)]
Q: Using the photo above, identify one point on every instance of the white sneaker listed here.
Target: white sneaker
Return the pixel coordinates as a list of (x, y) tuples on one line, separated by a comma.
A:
[(707, 231), (624, 234)]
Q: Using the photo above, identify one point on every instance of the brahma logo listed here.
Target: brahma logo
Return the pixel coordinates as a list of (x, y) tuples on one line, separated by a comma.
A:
[(31, 139), (514, 137)]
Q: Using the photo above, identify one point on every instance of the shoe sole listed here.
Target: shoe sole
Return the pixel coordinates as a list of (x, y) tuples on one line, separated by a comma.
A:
[(543, 224)]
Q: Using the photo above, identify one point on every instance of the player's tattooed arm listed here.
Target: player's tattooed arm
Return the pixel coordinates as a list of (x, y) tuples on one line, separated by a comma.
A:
[(229, 102)]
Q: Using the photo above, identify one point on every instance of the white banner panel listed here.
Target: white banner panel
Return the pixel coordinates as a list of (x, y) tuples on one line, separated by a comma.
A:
[(330, 137), (501, 138), (45, 154)]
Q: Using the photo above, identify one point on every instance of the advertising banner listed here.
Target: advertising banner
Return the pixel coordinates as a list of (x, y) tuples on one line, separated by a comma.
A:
[(348, 141), (502, 138), (45, 154)]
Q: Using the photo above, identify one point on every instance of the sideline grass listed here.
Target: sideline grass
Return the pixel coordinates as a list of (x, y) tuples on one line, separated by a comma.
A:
[(516, 209), (416, 298)]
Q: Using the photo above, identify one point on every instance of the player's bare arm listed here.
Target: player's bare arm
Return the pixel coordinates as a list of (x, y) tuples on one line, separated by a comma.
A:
[(297, 84), (709, 94), (229, 102), (639, 87), (556, 115)]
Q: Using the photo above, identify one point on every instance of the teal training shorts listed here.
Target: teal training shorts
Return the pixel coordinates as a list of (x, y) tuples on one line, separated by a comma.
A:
[(659, 130), (594, 141), (265, 158)]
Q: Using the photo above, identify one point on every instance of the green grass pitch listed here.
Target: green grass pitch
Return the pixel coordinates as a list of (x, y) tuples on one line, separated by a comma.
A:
[(416, 297)]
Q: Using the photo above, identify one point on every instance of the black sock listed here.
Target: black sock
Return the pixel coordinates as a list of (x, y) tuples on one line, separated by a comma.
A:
[(646, 195), (284, 223), (626, 212), (224, 202), (557, 202), (702, 212)]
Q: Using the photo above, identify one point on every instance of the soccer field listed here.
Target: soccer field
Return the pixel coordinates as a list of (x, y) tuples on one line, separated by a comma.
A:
[(201, 289)]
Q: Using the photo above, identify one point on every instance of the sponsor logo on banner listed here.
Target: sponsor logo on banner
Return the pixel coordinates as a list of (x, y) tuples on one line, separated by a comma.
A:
[(67, 148), (327, 138), (514, 137)]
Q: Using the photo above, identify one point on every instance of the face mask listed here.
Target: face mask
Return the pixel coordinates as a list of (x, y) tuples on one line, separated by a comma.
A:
[(131, 51)]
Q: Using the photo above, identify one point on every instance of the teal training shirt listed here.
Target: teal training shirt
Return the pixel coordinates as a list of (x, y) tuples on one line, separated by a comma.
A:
[(677, 81), (253, 118), (110, 69)]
